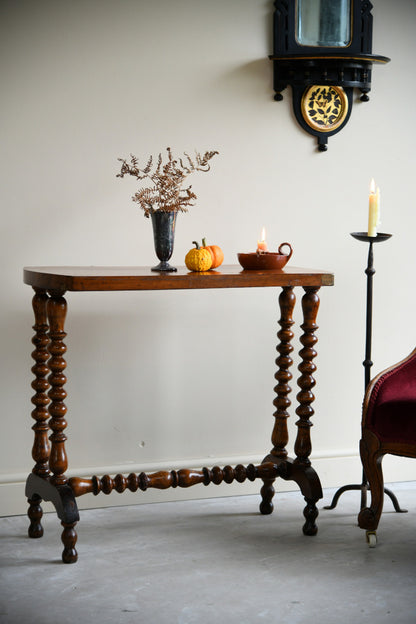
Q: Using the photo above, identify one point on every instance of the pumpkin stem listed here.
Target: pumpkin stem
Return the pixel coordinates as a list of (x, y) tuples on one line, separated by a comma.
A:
[(196, 244), (204, 242)]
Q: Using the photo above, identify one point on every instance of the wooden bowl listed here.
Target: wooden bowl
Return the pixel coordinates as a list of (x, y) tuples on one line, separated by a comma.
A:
[(265, 260)]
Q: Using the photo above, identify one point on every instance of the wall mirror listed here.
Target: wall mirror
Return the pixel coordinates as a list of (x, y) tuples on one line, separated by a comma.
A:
[(323, 23), (322, 49)]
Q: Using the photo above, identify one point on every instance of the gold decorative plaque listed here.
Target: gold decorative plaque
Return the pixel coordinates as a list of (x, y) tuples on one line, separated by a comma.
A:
[(324, 108)]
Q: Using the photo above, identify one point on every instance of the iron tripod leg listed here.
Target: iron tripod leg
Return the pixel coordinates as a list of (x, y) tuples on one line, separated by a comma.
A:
[(364, 488)]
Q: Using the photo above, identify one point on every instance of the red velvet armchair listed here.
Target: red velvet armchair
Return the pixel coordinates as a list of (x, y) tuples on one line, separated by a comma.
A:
[(388, 426)]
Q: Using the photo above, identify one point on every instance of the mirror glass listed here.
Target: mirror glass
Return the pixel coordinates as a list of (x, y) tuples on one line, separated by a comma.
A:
[(325, 23)]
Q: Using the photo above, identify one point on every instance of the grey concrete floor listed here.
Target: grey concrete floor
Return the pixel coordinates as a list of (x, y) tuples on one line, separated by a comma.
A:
[(212, 562)]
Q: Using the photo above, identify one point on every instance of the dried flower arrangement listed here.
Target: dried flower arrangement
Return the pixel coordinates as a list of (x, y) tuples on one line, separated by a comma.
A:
[(166, 193)]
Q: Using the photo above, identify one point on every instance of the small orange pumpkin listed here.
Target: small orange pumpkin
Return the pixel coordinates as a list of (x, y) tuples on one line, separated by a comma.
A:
[(216, 252), (198, 259)]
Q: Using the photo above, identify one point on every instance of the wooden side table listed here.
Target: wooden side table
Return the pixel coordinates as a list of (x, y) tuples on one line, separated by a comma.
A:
[(48, 480)]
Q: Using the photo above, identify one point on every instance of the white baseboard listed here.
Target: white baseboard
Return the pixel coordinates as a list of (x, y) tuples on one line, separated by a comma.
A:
[(334, 470)]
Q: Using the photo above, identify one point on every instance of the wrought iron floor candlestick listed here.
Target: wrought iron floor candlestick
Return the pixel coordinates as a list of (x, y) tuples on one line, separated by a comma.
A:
[(370, 270)]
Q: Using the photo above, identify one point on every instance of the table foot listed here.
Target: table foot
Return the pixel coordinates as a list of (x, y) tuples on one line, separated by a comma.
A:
[(69, 539), (311, 513), (35, 514), (267, 492), (63, 499), (307, 479), (309, 484)]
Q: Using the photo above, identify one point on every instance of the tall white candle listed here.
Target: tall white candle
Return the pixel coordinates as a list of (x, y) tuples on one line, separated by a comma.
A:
[(373, 209)]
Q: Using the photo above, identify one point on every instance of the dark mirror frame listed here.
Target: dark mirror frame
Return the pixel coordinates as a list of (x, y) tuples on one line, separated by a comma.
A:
[(302, 67)]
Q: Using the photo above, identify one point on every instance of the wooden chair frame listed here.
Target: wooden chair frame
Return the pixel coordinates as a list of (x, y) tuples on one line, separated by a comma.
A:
[(372, 451)]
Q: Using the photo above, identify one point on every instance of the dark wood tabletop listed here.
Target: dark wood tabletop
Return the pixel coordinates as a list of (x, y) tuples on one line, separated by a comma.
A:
[(82, 278)]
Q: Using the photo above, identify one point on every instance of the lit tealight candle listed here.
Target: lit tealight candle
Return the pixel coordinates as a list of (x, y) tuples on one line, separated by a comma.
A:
[(373, 209), (261, 244)]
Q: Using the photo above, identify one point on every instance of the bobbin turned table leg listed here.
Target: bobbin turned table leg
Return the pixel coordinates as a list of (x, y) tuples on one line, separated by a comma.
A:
[(58, 461), (303, 446), (41, 447), (280, 436)]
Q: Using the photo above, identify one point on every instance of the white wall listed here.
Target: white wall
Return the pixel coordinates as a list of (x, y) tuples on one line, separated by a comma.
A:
[(186, 378)]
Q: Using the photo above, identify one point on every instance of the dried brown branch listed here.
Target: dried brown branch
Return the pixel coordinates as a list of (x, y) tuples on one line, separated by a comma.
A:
[(166, 191)]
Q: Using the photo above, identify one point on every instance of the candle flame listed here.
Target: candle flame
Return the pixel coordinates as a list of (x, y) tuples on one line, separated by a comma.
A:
[(263, 235), (372, 186)]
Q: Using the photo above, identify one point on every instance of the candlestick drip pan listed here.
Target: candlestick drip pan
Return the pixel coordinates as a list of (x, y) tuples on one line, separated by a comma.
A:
[(378, 238)]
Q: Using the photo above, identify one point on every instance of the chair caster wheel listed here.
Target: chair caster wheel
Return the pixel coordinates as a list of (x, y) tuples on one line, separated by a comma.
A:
[(371, 539)]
